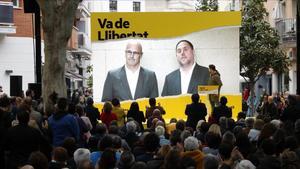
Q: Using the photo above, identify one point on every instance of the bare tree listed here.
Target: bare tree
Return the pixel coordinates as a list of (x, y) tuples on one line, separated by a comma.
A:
[(57, 22)]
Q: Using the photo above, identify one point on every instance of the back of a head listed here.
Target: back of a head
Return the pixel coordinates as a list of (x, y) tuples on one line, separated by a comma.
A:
[(115, 102), (81, 155), (62, 104), (223, 100), (225, 151), (173, 120), (127, 159), (249, 122), (4, 101), (106, 142), (191, 143), (108, 159), (107, 107), (89, 101), (258, 124), (211, 162), (195, 98), (152, 102), (23, 116), (172, 159), (228, 137), (151, 142), (160, 131), (101, 128), (131, 127), (70, 145), (180, 125), (60, 154), (38, 160), (134, 107), (79, 110)]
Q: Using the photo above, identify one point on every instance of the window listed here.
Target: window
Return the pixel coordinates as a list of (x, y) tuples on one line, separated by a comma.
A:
[(136, 6), (16, 3), (113, 5)]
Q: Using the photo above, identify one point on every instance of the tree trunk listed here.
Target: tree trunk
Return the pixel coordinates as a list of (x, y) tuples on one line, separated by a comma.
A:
[(57, 22)]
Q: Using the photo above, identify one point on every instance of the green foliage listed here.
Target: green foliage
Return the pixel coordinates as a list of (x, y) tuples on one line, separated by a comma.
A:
[(259, 43), (207, 5)]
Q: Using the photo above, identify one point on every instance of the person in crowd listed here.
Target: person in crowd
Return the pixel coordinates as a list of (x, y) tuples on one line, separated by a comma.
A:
[(131, 81), (151, 143), (21, 140), (195, 112), (38, 160), (222, 110), (153, 106), (156, 115), (107, 115), (5, 122), (189, 76), (214, 80), (136, 114), (62, 124), (191, 147), (160, 131), (92, 113), (119, 111), (59, 158)]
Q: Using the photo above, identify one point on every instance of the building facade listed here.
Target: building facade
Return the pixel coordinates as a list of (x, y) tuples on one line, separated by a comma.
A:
[(17, 49)]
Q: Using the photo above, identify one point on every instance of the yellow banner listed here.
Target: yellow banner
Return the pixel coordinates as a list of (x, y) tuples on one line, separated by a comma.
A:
[(149, 25)]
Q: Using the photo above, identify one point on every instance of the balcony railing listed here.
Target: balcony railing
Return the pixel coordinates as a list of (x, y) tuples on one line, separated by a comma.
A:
[(287, 30)]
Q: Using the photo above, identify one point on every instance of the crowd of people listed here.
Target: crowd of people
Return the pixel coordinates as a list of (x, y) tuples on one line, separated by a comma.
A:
[(79, 136)]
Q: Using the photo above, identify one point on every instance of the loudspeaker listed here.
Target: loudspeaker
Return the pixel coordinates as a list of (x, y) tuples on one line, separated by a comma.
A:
[(37, 88), (16, 86), (31, 6)]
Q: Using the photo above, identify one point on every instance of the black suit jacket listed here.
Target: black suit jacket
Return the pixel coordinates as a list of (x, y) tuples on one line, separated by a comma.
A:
[(195, 112), (116, 85), (172, 85)]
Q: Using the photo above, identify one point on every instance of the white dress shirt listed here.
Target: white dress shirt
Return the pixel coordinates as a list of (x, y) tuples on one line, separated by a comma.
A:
[(132, 79), (185, 77)]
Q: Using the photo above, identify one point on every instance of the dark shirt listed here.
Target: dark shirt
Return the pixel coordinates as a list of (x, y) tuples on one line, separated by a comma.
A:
[(195, 112)]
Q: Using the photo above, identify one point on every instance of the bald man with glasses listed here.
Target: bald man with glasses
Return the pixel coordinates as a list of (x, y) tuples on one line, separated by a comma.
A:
[(131, 81)]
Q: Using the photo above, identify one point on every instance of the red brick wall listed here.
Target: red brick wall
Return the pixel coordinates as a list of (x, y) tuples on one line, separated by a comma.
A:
[(23, 21)]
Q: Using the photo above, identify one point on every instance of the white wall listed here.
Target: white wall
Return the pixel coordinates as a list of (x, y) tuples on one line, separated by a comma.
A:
[(123, 5), (16, 54), (216, 46)]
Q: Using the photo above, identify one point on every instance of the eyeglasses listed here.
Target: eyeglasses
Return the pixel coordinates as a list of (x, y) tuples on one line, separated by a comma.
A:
[(134, 53)]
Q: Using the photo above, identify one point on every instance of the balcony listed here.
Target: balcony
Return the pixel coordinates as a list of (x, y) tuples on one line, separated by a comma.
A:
[(6, 18), (287, 31), (73, 41), (84, 46), (82, 11)]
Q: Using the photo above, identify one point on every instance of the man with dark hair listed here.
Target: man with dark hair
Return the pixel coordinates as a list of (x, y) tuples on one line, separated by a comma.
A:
[(21, 140), (222, 110), (149, 110), (189, 76), (92, 113), (151, 143), (63, 124), (195, 112)]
